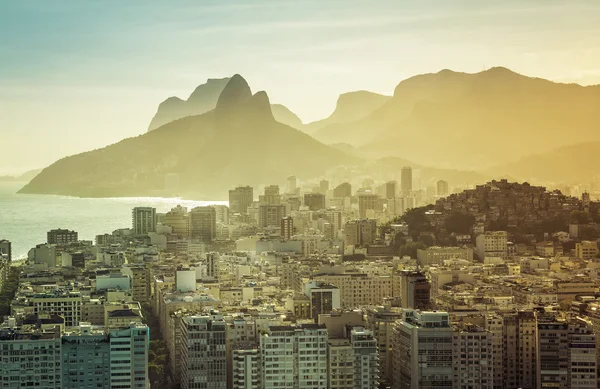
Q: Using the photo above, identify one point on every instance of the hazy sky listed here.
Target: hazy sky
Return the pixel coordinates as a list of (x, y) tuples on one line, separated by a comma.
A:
[(77, 75)]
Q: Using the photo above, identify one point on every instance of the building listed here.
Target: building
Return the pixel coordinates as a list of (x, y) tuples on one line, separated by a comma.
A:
[(314, 201), (442, 188), (492, 244), (406, 180), (203, 224), (143, 220), (292, 183), (324, 298), (6, 248), (473, 357), (246, 368), (360, 232), (62, 237), (586, 249), (390, 189), (423, 351), (359, 289), (552, 354), (287, 227), (294, 357), (415, 290), (437, 255), (366, 358), (203, 353), (240, 199), (380, 320), (367, 201), (271, 215), (342, 190), (178, 219), (271, 196), (323, 186), (140, 283)]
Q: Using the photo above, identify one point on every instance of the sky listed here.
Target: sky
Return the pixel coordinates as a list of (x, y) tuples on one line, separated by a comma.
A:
[(76, 75)]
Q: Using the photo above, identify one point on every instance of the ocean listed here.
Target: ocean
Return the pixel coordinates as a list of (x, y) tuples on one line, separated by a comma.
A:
[(25, 219)]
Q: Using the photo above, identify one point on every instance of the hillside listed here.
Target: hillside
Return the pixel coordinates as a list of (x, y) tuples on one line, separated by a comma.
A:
[(203, 99), (237, 143), (349, 107), (460, 120)]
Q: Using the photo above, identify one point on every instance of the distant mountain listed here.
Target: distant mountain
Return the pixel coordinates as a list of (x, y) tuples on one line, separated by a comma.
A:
[(239, 142), (460, 120), (203, 99), (25, 177), (350, 106), (572, 164)]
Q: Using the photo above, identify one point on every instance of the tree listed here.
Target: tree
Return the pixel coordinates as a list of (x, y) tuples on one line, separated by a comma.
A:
[(580, 217), (588, 233), (410, 249), (460, 223)]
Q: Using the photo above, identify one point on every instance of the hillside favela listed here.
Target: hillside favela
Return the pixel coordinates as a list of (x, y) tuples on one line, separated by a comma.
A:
[(299, 194)]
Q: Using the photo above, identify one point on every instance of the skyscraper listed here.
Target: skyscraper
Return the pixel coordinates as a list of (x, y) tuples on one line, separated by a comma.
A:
[(143, 220), (203, 224), (271, 196), (270, 215), (415, 290), (367, 201), (314, 201), (323, 186), (406, 180), (240, 199), (360, 232), (291, 184), (442, 188), (287, 227), (390, 189)]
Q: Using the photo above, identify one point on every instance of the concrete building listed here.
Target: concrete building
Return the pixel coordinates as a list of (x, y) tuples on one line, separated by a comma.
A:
[(552, 352), (366, 358), (380, 320), (586, 249), (246, 368), (292, 184), (143, 220), (415, 290), (473, 357), (359, 289), (6, 248), (271, 196), (423, 351), (324, 298), (203, 224), (390, 190), (203, 353), (442, 188), (406, 181), (178, 219), (314, 201), (271, 215), (367, 201), (287, 227), (360, 232), (240, 199), (492, 244), (294, 356), (437, 255), (62, 237), (583, 366)]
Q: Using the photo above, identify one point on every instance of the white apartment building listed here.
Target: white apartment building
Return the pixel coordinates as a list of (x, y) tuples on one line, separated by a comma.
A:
[(437, 255), (492, 244)]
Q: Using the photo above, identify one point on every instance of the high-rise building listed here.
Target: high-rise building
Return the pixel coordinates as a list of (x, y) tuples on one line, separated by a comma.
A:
[(271, 196), (552, 354), (366, 358), (380, 320), (140, 283), (246, 368), (143, 220), (367, 201), (270, 215), (442, 188), (324, 298), (423, 351), (292, 183), (178, 219), (287, 227), (583, 366), (314, 201), (323, 187), (240, 199), (212, 265), (6, 248), (203, 224), (342, 190), (415, 290), (520, 335), (473, 357), (294, 357), (203, 354), (360, 232), (390, 189), (62, 237), (222, 213), (406, 180)]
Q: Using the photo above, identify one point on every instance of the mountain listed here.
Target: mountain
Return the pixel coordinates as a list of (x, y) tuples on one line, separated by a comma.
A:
[(572, 164), (25, 177), (203, 99), (239, 142), (459, 120), (350, 106)]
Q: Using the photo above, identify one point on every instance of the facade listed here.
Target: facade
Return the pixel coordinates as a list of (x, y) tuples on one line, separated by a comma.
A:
[(473, 357), (287, 227), (323, 298), (586, 249), (582, 365), (271, 196), (6, 248), (390, 189), (203, 353), (366, 358), (143, 220), (423, 351), (294, 356), (415, 290), (245, 367), (270, 215), (314, 201), (360, 232), (492, 244), (380, 321), (203, 224), (359, 289), (62, 237), (240, 199), (437, 255), (367, 201), (552, 354), (178, 219)]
